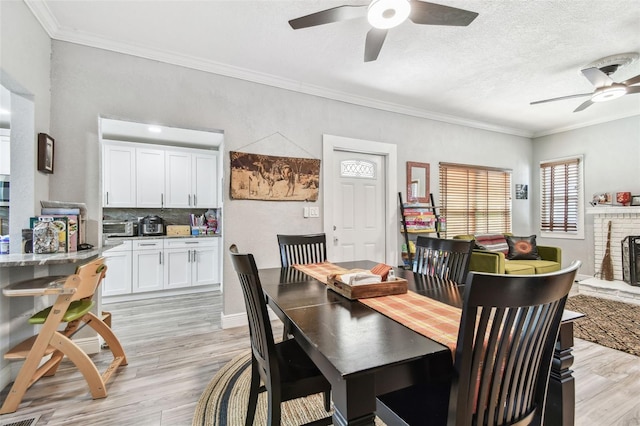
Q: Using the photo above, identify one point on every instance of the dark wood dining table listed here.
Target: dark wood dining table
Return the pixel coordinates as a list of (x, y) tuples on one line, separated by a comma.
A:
[(366, 355)]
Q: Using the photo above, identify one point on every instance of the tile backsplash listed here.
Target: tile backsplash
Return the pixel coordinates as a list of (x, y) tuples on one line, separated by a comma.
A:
[(170, 216)]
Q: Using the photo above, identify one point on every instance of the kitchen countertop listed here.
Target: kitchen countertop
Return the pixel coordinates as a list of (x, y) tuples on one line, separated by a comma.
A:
[(30, 259), (114, 241)]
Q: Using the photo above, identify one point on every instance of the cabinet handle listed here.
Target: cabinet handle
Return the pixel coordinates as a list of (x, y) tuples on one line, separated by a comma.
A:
[(195, 201), (188, 256), (194, 256), (189, 197), (162, 199), (148, 244), (160, 258), (107, 197)]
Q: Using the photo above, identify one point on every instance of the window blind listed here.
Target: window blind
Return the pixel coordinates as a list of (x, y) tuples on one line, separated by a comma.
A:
[(475, 199), (560, 186)]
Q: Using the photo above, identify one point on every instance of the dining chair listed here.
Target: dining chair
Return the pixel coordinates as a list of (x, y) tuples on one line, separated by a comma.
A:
[(72, 307), (302, 249), (442, 258), (283, 368), (502, 363)]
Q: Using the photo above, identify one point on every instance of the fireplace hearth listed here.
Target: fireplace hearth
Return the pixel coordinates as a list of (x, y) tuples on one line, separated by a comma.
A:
[(631, 260)]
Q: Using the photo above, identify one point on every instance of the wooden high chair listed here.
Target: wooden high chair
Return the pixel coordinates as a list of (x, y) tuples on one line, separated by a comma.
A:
[(73, 307)]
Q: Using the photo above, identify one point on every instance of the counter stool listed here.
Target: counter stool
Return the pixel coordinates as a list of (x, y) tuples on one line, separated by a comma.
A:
[(73, 307)]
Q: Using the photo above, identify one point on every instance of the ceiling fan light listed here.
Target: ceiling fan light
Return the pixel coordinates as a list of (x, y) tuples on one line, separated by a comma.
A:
[(608, 93), (385, 14)]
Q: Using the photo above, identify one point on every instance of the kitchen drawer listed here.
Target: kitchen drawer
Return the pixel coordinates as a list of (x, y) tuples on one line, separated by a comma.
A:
[(190, 242), (125, 246), (150, 244)]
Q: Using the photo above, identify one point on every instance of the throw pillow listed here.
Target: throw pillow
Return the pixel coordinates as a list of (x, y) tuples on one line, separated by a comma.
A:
[(522, 248), (492, 242)]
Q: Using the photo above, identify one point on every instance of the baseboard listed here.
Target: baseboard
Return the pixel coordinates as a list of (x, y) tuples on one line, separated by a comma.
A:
[(89, 345), (240, 319)]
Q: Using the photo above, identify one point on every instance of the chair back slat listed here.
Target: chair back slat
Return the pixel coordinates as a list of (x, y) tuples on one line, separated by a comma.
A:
[(507, 335), (442, 258), (91, 274), (302, 249), (260, 332)]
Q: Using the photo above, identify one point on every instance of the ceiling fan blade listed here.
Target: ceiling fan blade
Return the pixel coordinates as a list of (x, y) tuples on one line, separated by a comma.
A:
[(584, 105), (561, 98), (632, 81), (631, 90), (336, 14), (373, 44), (597, 77), (426, 13)]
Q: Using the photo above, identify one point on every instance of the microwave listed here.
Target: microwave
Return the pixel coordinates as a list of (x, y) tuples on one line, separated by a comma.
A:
[(4, 191), (119, 228)]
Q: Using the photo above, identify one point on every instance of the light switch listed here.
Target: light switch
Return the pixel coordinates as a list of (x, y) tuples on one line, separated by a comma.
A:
[(305, 212), (314, 211)]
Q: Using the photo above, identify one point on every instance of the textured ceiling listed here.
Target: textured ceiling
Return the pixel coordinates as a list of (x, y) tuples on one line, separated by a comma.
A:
[(484, 75)]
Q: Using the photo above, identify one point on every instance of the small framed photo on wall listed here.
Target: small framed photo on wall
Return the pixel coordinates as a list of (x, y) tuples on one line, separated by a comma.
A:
[(635, 200), (45, 153)]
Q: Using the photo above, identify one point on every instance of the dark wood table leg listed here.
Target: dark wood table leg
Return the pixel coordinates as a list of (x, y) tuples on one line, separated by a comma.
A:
[(354, 402), (561, 397)]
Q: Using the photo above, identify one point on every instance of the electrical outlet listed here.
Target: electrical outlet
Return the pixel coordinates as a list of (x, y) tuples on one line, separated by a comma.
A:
[(314, 211), (305, 212)]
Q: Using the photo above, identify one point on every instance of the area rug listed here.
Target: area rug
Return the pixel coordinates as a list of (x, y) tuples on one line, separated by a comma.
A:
[(607, 322)]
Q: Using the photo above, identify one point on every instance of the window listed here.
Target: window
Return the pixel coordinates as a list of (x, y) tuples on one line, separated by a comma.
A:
[(475, 199), (560, 197)]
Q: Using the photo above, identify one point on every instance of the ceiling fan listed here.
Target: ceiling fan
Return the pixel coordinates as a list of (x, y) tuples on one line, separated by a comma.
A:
[(386, 14), (598, 73)]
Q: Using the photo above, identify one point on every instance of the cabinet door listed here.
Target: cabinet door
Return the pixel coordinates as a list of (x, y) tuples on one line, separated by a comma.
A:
[(177, 268), (5, 152), (205, 264), (178, 179), (205, 180), (118, 175), (148, 271), (118, 277), (149, 177)]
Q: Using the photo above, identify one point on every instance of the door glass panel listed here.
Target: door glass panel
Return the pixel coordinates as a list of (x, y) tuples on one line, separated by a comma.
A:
[(358, 169)]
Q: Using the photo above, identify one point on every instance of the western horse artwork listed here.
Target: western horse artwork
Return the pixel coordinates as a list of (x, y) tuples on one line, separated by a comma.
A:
[(265, 177)]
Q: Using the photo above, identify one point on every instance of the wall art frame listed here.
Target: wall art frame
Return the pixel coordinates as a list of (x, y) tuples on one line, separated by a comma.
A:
[(46, 151)]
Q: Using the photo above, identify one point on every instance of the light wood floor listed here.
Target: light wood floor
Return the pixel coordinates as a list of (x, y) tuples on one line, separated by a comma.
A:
[(176, 345)]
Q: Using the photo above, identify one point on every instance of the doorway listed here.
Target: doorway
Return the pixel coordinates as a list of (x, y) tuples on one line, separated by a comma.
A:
[(370, 182)]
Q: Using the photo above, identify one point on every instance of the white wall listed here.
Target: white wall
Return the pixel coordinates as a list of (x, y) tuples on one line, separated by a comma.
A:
[(611, 164), (25, 51), (88, 83)]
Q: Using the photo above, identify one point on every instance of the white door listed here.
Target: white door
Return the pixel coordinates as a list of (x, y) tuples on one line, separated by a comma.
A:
[(358, 207), (178, 179), (149, 177), (360, 213), (119, 175), (205, 180)]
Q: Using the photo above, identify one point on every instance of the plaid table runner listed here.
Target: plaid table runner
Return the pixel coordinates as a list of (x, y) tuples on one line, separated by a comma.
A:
[(430, 318)]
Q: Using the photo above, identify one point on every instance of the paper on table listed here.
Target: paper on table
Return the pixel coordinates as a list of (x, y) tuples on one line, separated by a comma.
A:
[(360, 278)]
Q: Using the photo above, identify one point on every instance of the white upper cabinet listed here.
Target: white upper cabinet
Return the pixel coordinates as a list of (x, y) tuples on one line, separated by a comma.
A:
[(5, 152), (191, 179), (149, 177), (154, 176), (119, 175)]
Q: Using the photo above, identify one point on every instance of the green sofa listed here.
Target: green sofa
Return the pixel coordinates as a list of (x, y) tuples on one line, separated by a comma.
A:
[(496, 262)]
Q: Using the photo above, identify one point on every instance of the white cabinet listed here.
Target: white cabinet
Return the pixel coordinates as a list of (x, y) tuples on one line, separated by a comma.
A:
[(148, 265), (118, 278), (191, 179), (155, 176), (191, 262), (119, 174), (150, 177)]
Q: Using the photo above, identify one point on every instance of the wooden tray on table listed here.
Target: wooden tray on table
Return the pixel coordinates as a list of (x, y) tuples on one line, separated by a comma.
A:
[(364, 291)]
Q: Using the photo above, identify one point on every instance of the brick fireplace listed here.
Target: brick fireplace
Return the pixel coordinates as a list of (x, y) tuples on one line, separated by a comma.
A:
[(625, 221)]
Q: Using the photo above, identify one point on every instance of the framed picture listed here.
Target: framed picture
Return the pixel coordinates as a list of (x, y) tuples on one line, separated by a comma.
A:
[(417, 182), (522, 191), (45, 153), (635, 200), (602, 199)]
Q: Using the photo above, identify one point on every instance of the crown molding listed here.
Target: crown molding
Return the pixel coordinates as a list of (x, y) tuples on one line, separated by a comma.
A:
[(580, 126), (50, 24)]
